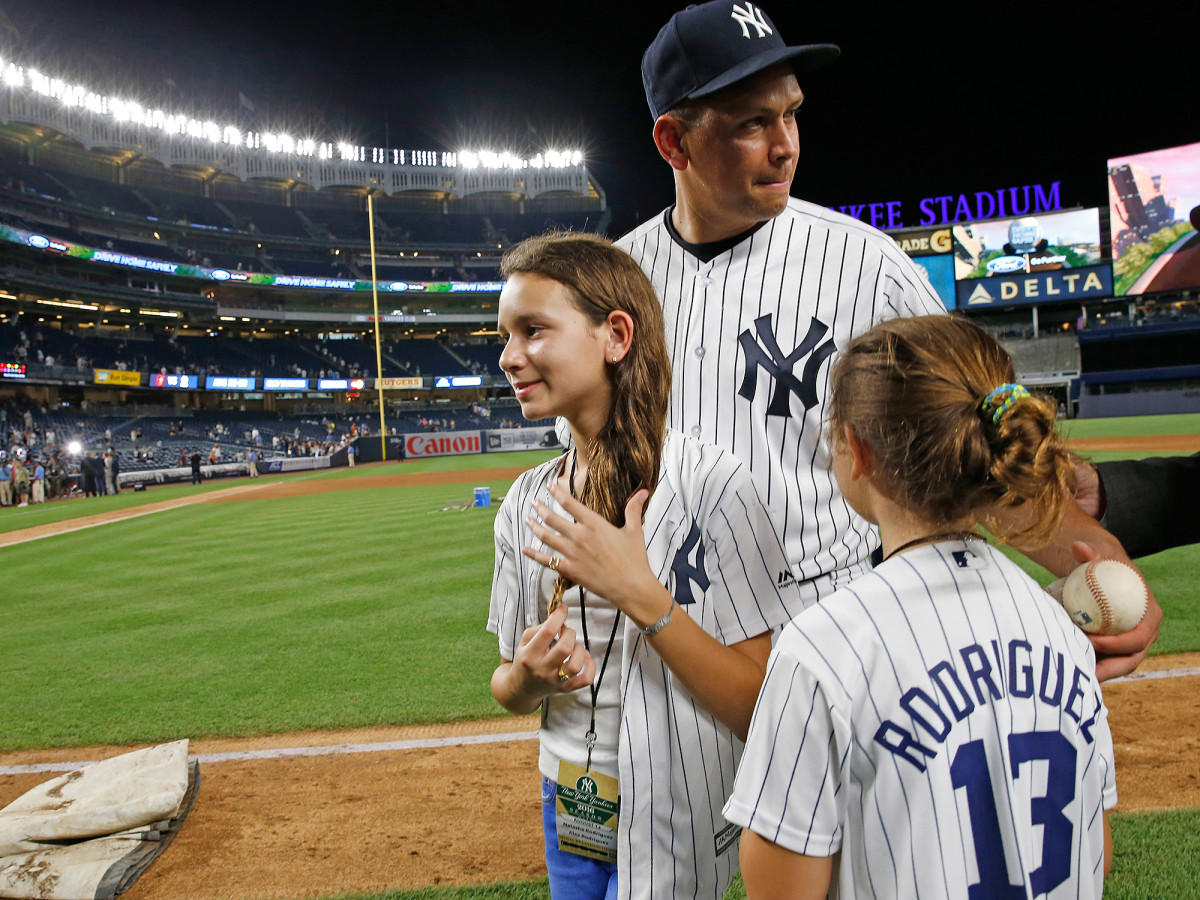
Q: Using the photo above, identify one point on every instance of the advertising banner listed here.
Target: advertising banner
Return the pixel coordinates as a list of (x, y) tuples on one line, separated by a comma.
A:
[(229, 383), (1028, 245), (182, 382), (395, 384), (500, 440), (453, 443), (285, 384), (940, 272), (116, 376), (924, 241), (293, 464), (1088, 283), (252, 279), (457, 381)]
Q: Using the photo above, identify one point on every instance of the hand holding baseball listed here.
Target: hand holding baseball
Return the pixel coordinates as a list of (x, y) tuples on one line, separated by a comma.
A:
[(1105, 596)]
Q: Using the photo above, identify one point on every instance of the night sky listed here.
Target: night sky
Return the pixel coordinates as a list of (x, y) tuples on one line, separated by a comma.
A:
[(925, 101)]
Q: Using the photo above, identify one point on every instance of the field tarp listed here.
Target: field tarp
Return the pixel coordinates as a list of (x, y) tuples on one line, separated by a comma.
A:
[(89, 834)]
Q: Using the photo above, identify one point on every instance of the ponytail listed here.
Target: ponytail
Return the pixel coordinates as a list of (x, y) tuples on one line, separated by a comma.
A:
[(951, 435)]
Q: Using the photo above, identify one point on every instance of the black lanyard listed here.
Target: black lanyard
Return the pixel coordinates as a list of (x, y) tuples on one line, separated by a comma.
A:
[(590, 738)]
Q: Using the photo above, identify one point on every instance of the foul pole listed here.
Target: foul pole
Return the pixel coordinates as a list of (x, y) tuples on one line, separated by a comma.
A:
[(378, 323)]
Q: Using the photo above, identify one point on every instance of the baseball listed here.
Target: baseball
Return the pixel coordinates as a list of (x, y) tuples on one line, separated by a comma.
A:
[(1105, 596)]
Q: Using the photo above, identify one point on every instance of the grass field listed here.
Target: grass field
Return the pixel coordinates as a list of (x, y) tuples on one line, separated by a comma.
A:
[(346, 609)]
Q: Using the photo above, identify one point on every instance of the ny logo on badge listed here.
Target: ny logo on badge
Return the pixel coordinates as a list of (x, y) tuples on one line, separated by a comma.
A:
[(751, 15), (779, 366), (688, 570)]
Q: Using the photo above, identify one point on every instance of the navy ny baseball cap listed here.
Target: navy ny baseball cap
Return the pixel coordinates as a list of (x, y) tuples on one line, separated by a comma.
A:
[(708, 47)]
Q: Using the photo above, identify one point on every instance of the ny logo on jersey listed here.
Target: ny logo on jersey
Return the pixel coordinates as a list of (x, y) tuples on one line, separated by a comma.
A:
[(751, 15), (688, 567), (779, 366)]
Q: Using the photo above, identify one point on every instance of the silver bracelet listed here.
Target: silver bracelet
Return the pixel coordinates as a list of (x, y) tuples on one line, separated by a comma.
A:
[(660, 623)]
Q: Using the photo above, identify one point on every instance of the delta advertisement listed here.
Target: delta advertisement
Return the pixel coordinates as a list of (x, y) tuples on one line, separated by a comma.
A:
[(1030, 259)]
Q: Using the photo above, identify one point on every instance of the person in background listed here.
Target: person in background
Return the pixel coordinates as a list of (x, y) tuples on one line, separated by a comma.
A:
[(39, 483)]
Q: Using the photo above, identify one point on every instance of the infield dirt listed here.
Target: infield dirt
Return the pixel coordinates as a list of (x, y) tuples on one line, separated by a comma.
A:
[(313, 826)]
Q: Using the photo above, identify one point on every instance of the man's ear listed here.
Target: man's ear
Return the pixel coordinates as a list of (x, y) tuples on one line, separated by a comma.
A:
[(620, 328), (669, 135), (862, 461)]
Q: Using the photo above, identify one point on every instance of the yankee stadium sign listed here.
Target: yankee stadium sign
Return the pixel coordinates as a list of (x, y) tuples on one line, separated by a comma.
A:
[(1014, 201)]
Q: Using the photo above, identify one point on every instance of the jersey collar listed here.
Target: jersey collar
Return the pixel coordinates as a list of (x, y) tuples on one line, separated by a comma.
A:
[(711, 250)]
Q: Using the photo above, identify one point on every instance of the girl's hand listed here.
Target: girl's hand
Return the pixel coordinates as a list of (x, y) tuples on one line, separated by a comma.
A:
[(546, 653), (598, 556)]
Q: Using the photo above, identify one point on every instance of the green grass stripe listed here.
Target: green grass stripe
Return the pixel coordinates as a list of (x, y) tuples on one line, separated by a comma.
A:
[(330, 610), (64, 510), (1155, 855), (79, 507), (1133, 426)]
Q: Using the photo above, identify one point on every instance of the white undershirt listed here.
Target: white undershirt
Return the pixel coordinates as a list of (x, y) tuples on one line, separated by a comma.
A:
[(569, 715)]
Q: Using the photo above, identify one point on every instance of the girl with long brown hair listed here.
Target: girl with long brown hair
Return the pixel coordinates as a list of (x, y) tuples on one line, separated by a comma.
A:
[(637, 579), (935, 728)]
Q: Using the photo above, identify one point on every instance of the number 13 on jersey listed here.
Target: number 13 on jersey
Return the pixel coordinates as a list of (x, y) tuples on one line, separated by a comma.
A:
[(1031, 754)]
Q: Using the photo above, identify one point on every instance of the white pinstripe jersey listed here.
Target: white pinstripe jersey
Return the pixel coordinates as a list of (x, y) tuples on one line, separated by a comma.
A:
[(711, 542), (939, 721), (750, 334)]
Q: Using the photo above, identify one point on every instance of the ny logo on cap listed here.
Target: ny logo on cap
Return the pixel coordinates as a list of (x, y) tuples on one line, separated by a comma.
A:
[(751, 15)]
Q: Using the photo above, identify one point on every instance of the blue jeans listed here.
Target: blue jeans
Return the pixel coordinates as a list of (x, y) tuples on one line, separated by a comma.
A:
[(573, 877)]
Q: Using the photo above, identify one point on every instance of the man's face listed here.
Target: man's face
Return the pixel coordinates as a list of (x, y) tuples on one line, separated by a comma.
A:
[(742, 153)]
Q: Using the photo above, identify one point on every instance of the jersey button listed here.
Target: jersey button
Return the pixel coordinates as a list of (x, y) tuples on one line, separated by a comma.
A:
[(699, 353), (695, 431)]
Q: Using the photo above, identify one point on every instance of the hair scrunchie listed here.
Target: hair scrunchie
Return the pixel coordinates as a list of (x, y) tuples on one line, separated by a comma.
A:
[(1015, 392)]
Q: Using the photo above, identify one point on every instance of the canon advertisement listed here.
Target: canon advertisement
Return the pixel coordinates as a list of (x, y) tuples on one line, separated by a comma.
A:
[(450, 443)]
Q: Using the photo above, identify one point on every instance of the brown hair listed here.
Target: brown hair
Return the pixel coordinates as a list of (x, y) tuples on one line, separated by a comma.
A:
[(916, 391), (624, 456)]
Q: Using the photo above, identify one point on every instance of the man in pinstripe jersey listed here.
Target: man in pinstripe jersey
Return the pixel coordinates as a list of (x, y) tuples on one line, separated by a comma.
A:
[(760, 289)]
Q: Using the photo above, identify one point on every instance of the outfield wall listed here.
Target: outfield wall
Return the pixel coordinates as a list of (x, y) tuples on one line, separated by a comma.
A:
[(1139, 403), (178, 474), (406, 446), (469, 443)]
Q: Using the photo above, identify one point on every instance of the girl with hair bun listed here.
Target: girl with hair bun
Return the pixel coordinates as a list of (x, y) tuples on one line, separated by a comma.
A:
[(936, 727), (637, 580)]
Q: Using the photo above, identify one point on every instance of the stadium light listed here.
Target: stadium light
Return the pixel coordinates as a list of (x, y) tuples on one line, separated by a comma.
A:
[(16, 77)]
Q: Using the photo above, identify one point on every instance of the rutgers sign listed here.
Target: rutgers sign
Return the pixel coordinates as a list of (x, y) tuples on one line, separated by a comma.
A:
[(458, 443)]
